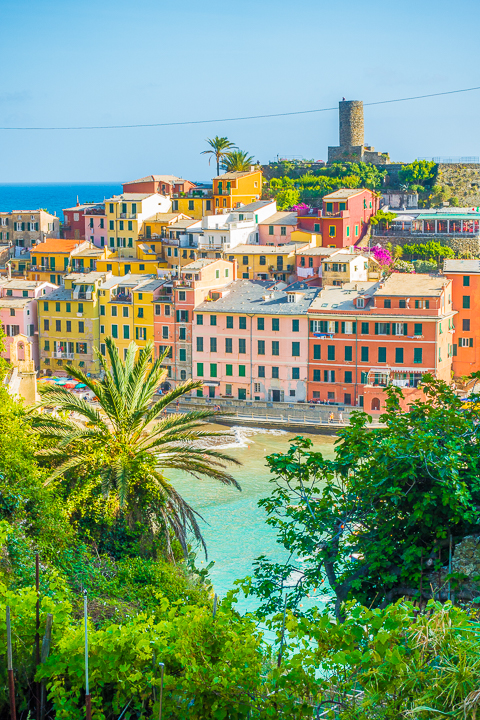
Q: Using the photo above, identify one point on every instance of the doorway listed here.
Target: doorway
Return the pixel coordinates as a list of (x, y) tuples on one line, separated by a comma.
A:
[(276, 395), (211, 391), (347, 399), (242, 394)]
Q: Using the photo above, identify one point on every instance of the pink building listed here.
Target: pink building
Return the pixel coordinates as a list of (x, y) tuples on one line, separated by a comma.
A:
[(252, 342), (18, 312), (277, 229), (309, 262), (96, 225)]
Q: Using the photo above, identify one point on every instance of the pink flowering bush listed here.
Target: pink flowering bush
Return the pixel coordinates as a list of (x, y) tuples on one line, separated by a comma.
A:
[(382, 256)]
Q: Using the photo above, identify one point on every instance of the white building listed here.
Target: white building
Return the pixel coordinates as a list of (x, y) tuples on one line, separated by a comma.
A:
[(236, 227)]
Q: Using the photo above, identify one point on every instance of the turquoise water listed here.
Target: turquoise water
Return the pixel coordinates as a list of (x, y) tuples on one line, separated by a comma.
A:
[(234, 527), (53, 197)]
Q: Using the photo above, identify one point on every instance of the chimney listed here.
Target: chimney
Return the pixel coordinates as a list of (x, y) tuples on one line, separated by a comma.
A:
[(252, 168)]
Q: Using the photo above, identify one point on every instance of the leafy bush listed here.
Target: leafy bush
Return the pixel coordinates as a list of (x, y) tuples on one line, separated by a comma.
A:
[(419, 172), (425, 266), (428, 251)]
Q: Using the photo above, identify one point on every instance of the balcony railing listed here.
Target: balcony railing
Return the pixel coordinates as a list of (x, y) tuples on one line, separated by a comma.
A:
[(122, 298), (64, 355), (128, 216), (82, 295)]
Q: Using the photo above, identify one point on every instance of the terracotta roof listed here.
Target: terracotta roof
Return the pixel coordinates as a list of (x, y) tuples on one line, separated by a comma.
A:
[(56, 245), (173, 179), (280, 218), (343, 194), (414, 284), (235, 175)]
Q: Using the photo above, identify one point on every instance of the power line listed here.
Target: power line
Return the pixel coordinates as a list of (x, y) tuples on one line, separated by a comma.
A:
[(236, 119)]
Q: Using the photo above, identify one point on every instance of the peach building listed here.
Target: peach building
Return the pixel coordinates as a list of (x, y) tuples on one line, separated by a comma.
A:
[(465, 277), (366, 336), (252, 342), (174, 310), (277, 229), (18, 312)]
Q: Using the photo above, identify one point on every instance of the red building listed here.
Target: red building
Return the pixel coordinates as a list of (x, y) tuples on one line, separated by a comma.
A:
[(74, 220), (465, 276), (343, 219), (162, 184), (366, 336)]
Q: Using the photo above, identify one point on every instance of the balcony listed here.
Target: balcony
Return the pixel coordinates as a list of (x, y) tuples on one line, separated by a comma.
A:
[(62, 355), (122, 298), (82, 295), (128, 216)]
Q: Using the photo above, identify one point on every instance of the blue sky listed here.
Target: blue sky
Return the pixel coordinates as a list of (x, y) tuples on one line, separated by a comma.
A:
[(119, 62)]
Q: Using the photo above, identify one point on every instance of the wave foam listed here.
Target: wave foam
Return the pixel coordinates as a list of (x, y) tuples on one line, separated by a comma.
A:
[(243, 436)]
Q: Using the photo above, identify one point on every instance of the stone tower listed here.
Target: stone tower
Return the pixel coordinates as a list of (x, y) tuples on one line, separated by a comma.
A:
[(351, 123), (352, 146)]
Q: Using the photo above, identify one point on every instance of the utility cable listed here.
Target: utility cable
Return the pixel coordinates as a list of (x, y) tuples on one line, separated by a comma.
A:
[(236, 119)]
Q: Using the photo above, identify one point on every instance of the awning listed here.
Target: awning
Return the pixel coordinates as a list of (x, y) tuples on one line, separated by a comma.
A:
[(412, 370), (211, 383)]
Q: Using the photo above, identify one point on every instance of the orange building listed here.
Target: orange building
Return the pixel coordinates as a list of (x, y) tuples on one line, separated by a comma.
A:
[(237, 188), (465, 277), (366, 336)]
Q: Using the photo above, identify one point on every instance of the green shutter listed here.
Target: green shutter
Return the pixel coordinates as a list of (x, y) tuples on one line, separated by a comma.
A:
[(394, 329), (354, 328), (376, 328), (471, 342), (388, 328), (343, 328), (336, 327), (178, 316), (405, 328)]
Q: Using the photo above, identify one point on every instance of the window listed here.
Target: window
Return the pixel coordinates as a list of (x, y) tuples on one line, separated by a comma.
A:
[(360, 302), (241, 370), (229, 322), (200, 369), (80, 307), (317, 376), (466, 325), (12, 314), (422, 304), (260, 323), (262, 260), (465, 342), (261, 347), (81, 326), (402, 303), (349, 328), (295, 325), (329, 375), (295, 373), (181, 295), (115, 331), (331, 231), (399, 355), (183, 355), (348, 376), (295, 349), (165, 332), (417, 355), (140, 312), (387, 303), (245, 260), (213, 319), (228, 345), (213, 370), (317, 352), (275, 347), (417, 329), (466, 301), (199, 344), (365, 329), (331, 352), (275, 324), (261, 371), (283, 230), (126, 332), (275, 373), (271, 230), (69, 326), (364, 354), (125, 312), (382, 354), (382, 328), (213, 344), (466, 281), (399, 329), (167, 311), (81, 348), (229, 370), (242, 323), (348, 353), (45, 305)]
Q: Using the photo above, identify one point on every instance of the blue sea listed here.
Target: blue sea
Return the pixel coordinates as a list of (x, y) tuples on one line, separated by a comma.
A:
[(53, 197)]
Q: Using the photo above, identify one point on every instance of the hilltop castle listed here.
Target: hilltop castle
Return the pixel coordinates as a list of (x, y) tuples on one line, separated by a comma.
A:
[(352, 144)]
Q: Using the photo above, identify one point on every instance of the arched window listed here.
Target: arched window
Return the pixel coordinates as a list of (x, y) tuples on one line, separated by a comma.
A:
[(183, 374), (375, 404)]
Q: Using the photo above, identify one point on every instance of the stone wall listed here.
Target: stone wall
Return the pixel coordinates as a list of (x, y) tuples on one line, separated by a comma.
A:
[(463, 179), (458, 244)]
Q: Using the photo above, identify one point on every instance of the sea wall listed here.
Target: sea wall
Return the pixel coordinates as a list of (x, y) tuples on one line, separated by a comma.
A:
[(461, 245)]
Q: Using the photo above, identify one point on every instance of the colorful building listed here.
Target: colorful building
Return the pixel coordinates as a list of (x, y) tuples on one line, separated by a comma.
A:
[(52, 260), (277, 229), (69, 324), (194, 207), (18, 314), (95, 219), (251, 343), (348, 267), (159, 184), (465, 277), (367, 336), (74, 220), (25, 228), (234, 189), (125, 215), (174, 310), (343, 219), (235, 227), (145, 262), (309, 261), (261, 262)]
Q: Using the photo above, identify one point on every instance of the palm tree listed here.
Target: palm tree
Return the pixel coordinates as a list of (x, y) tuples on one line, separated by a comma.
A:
[(125, 445), (238, 161), (220, 146)]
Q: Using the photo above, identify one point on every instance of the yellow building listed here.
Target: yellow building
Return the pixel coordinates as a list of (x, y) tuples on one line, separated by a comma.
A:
[(237, 188), (194, 207), (53, 259), (264, 262), (125, 216), (126, 310), (69, 324), (144, 262), (304, 236)]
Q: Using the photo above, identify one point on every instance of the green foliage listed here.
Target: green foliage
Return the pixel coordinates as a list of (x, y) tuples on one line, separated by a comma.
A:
[(362, 522), (428, 251), (382, 218), (425, 266), (219, 147), (419, 172), (286, 199), (119, 453), (237, 161)]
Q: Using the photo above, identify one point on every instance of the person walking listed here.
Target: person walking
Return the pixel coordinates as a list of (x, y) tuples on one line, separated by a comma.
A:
[(340, 417)]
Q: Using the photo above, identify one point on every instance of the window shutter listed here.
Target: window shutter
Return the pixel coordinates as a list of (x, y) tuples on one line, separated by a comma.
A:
[(136, 333), (388, 328), (354, 328), (23, 226), (394, 329), (36, 226), (178, 316), (471, 342), (336, 326), (311, 325), (405, 329), (343, 328), (376, 328)]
